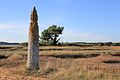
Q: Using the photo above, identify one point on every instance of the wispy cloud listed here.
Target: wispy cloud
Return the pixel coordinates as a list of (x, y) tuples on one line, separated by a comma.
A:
[(73, 35), (14, 27), (4, 26), (19, 32), (13, 32)]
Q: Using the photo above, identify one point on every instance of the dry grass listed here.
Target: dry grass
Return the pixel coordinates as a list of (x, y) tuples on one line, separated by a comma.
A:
[(66, 63)]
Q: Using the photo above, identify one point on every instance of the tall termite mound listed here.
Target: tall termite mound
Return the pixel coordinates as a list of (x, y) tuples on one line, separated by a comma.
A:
[(33, 42)]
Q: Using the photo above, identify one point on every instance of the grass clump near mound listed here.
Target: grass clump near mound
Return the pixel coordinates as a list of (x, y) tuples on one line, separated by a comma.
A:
[(84, 75)]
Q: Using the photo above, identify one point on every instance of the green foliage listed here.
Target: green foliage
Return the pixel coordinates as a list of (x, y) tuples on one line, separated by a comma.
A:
[(50, 36)]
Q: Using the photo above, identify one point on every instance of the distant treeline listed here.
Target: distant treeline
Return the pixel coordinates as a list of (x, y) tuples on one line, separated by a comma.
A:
[(69, 44), (90, 44), (79, 44), (7, 43)]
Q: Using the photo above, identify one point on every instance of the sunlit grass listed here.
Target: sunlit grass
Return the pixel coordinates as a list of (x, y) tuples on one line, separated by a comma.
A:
[(58, 68)]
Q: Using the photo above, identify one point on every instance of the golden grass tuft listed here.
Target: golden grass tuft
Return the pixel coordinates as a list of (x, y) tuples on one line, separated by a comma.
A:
[(53, 65)]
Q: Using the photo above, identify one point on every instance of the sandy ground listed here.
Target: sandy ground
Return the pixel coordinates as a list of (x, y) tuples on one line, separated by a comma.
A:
[(6, 74)]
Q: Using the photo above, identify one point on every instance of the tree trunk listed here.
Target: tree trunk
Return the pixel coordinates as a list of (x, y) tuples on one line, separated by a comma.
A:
[(33, 43), (55, 40)]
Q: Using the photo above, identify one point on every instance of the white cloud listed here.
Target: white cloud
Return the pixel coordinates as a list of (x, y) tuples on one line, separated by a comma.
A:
[(14, 27), (13, 32), (4, 26), (19, 32), (73, 35)]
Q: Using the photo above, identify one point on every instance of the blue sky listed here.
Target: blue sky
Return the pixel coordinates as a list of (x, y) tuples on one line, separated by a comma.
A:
[(84, 20)]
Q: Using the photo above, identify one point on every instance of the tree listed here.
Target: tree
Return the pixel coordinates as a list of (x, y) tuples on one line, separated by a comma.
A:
[(33, 43), (108, 43), (51, 34)]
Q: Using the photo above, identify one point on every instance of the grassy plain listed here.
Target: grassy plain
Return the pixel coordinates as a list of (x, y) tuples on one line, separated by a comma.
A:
[(62, 63)]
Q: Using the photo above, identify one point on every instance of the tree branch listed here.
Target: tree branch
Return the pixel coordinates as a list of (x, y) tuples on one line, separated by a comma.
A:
[(40, 37), (51, 38), (58, 39)]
